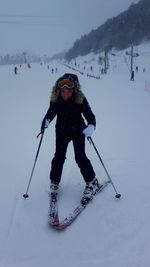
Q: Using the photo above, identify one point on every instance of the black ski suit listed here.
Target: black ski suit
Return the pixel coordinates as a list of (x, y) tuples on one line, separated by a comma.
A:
[(69, 126)]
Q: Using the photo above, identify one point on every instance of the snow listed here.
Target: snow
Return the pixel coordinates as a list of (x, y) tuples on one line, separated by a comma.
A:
[(110, 232)]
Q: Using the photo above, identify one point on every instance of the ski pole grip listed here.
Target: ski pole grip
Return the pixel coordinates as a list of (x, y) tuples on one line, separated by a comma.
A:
[(39, 134)]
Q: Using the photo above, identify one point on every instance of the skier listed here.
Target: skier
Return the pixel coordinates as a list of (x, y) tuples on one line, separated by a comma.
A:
[(132, 76), (15, 70), (69, 103)]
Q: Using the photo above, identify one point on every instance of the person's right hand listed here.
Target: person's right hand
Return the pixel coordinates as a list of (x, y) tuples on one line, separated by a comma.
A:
[(45, 124)]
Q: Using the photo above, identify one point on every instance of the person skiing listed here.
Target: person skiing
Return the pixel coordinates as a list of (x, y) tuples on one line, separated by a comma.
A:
[(132, 75), (68, 103), (15, 70)]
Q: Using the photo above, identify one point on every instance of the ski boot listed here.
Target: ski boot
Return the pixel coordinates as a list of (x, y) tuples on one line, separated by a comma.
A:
[(89, 191), (54, 191)]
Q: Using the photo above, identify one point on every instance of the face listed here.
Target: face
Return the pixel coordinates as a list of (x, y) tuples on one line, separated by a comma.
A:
[(66, 93)]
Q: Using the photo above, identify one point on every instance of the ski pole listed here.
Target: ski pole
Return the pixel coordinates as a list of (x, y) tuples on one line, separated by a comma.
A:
[(26, 194), (91, 142)]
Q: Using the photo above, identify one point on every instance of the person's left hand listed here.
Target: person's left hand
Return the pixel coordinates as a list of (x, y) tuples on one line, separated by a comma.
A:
[(88, 131)]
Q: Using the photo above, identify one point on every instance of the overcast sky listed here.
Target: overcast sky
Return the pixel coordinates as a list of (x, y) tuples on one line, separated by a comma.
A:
[(51, 26)]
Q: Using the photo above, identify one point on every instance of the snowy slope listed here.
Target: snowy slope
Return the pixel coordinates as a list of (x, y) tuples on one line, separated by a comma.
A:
[(110, 232)]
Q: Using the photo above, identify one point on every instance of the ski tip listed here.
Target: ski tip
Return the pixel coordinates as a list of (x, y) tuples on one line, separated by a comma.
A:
[(58, 226), (54, 221)]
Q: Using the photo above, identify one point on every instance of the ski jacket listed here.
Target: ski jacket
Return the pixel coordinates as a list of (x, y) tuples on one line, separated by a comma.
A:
[(70, 114)]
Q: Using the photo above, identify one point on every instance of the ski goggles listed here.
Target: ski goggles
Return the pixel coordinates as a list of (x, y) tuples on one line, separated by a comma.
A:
[(66, 83)]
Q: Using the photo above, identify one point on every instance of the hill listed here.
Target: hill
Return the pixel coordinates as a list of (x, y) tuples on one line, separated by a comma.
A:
[(129, 27)]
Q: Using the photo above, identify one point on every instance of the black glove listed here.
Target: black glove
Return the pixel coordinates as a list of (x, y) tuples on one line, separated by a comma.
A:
[(45, 124)]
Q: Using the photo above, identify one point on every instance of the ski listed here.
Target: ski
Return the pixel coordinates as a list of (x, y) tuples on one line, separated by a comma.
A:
[(74, 214), (53, 212)]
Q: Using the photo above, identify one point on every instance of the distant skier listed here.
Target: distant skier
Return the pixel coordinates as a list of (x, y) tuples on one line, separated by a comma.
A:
[(15, 70), (132, 76), (137, 68), (102, 70), (69, 103)]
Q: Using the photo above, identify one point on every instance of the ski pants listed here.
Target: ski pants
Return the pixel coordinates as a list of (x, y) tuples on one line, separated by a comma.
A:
[(81, 159)]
